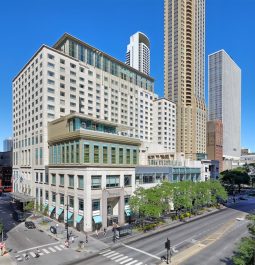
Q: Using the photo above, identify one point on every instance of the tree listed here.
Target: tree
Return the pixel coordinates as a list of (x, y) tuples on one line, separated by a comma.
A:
[(30, 206), (245, 254)]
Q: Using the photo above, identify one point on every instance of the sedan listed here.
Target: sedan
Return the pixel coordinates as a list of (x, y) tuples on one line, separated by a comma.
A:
[(30, 225)]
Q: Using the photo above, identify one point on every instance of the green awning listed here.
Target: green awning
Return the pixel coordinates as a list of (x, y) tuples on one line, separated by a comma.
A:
[(97, 219), (51, 209), (79, 218), (69, 215), (128, 212), (60, 210)]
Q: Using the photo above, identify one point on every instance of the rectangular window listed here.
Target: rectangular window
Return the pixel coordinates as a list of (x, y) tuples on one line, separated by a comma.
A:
[(46, 178), (62, 199), (71, 201), (134, 156), (86, 153), (113, 155), (128, 156), (77, 159), (81, 204), (96, 154), (112, 181), (67, 154), (71, 181), (121, 156), (96, 205), (62, 180), (127, 180), (46, 195), (53, 179), (53, 197), (72, 153), (105, 155), (80, 182), (95, 182)]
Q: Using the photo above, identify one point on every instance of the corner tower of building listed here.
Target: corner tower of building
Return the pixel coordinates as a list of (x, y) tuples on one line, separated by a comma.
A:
[(184, 56)]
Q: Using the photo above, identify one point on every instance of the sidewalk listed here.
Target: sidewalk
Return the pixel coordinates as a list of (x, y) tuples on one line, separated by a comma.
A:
[(6, 260)]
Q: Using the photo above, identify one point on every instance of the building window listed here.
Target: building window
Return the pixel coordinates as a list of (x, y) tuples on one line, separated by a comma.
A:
[(134, 156), (128, 156), (86, 153), (53, 197), (96, 205), (112, 181), (96, 154), (127, 180), (46, 195), (46, 178), (113, 155), (147, 179), (62, 180), (81, 205), (95, 182), (53, 179), (62, 199), (71, 181), (105, 154), (80, 182), (71, 201), (121, 156), (126, 200)]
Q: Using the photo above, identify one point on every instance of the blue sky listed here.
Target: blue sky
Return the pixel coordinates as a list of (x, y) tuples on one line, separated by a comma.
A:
[(107, 25)]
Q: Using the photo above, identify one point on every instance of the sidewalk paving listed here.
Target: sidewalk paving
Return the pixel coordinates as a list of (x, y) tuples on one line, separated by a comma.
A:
[(7, 260)]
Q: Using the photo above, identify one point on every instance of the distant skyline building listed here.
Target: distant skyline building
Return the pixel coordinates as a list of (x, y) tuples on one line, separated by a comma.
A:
[(184, 58), (214, 141), (225, 100), (138, 53), (7, 145)]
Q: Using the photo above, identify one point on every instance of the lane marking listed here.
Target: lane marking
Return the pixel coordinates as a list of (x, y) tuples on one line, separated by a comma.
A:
[(125, 257), (103, 252), (58, 248), (141, 251), (45, 250), (132, 262), (52, 249), (140, 263), (116, 257), (38, 247), (32, 254), (108, 253), (125, 261), (114, 254)]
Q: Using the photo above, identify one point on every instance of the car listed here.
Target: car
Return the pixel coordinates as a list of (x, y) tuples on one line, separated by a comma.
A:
[(30, 225), (18, 216)]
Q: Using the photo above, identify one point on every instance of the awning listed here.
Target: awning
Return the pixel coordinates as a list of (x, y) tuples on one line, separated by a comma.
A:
[(128, 212), (51, 209), (60, 210), (97, 219), (69, 215), (79, 218), (21, 197)]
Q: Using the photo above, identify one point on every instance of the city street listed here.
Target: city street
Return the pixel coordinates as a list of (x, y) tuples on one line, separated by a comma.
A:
[(149, 250)]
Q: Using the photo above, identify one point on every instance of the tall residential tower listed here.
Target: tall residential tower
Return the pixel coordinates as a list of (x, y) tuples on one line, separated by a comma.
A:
[(138, 53), (184, 55), (225, 100)]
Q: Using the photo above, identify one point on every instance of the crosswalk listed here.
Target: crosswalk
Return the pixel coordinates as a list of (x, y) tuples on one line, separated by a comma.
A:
[(120, 258), (41, 252)]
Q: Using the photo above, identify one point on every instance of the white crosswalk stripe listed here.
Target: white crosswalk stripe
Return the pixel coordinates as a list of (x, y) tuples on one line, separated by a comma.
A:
[(45, 250), (132, 262), (62, 246), (140, 263), (52, 249), (103, 252), (108, 253), (32, 254), (58, 248), (113, 254), (117, 260), (116, 257), (125, 261)]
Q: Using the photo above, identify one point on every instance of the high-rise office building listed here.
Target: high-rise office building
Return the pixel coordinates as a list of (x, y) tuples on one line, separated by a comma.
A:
[(7, 145), (225, 100), (184, 55), (138, 53)]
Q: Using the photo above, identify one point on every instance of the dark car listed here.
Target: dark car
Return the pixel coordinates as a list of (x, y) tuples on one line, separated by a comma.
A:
[(18, 216), (30, 225)]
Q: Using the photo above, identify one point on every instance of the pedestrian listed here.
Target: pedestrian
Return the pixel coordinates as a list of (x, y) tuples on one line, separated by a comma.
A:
[(105, 231), (86, 238), (37, 255), (66, 244), (72, 239), (97, 233), (26, 256)]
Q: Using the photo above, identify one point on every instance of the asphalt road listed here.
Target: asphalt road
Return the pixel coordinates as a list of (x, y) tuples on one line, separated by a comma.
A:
[(149, 250), (20, 240)]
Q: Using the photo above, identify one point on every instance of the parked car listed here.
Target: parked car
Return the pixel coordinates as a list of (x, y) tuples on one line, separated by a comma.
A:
[(18, 216), (30, 225)]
